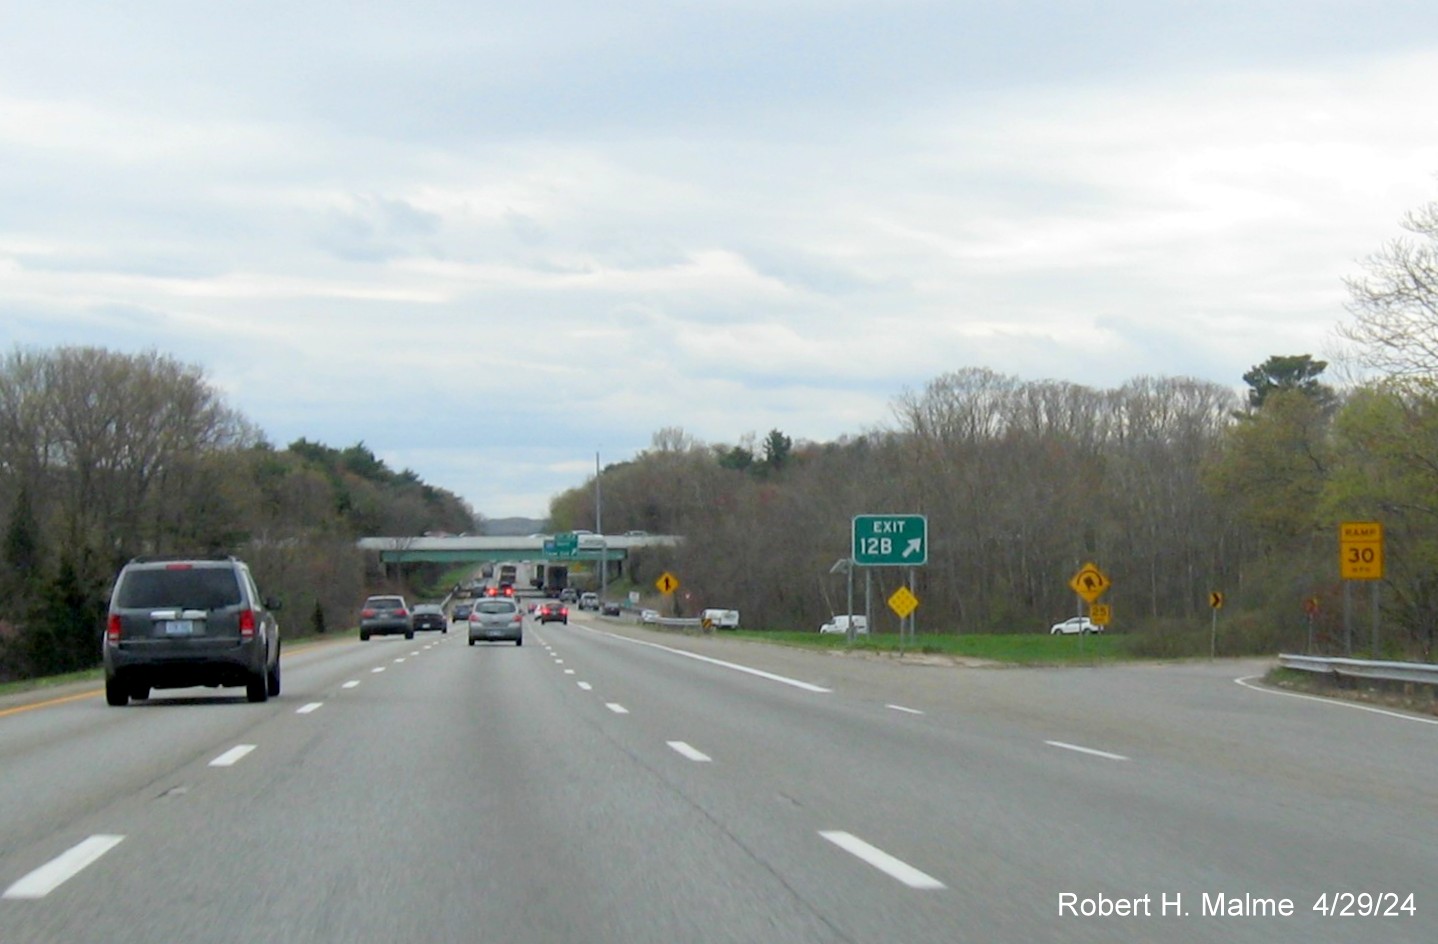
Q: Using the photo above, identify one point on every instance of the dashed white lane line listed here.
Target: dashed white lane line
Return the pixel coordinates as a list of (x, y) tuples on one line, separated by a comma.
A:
[(310, 708), (568, 671), (377, 670), (233, 756), (415, 653), (62, 868), (617, 708), (907, 711), (399, 661), (1085, 750), (585, 686), (353, 683), (881, 860), (685, 750)]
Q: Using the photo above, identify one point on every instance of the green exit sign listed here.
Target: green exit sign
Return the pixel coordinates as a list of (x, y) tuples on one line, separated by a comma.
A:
[(891, 540)]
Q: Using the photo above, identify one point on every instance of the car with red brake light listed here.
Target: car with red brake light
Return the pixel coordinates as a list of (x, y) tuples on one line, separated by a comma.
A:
[(180, 622), (496, 619), (383, 616), (552, 613)]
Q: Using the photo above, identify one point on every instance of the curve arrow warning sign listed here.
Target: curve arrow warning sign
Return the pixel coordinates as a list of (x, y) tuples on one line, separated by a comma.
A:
[(1090, 582)]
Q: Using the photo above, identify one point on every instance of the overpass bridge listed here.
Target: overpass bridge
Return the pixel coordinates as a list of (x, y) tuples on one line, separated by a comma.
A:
[(450, 550)]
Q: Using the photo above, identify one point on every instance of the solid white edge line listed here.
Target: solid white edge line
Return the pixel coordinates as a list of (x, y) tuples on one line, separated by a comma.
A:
[(233, 756), (698, 756), (1331, 701), (881, 860), (1085, 750), (616, 707), (907, 711), (806, 686), (62, 868), (311, 707)]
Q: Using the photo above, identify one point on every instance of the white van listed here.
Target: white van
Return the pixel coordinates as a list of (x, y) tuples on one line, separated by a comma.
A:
[(722, 619), (841, 624)]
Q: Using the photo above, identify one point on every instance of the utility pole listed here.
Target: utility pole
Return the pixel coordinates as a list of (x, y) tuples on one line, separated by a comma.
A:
[(599, 529)]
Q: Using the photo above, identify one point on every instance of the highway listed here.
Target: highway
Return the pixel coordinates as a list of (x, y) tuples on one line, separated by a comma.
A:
[(607, 783)]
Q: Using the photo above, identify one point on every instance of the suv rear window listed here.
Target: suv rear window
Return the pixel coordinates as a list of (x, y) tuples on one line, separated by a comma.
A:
[(195, 588), (385, 603)]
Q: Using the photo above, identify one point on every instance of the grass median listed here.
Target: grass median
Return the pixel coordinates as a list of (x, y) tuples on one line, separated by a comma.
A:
[(1011, 648)]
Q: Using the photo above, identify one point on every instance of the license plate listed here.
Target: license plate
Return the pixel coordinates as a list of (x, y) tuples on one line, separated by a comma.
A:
[(178, 627)]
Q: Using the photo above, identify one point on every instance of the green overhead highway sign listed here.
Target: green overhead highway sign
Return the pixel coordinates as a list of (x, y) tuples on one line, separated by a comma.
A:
[(890, 540), (566, 544)]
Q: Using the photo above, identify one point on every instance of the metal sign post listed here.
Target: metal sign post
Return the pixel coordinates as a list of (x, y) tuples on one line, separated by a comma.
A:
[(1215, 603), (1090, 583), (889, 541), (1360, 557)]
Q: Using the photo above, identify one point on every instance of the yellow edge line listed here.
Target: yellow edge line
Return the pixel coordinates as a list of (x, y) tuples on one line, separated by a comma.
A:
[(49, 703), (46, 704)]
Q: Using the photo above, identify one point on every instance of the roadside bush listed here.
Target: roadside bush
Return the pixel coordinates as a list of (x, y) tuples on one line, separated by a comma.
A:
[(1169, 639), (1239, 634)]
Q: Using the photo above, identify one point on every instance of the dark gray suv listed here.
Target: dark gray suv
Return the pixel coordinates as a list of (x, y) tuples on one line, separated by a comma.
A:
[(178, 622)]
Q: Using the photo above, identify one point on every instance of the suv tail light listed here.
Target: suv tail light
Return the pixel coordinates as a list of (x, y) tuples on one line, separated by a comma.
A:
[(112, 629), (247, 624)]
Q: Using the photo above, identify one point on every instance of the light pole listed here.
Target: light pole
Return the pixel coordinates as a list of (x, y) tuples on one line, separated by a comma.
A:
[(599, 529)]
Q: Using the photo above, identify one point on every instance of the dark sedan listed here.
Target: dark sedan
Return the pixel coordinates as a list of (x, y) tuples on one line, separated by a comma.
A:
[(552, 613), (429, 616)]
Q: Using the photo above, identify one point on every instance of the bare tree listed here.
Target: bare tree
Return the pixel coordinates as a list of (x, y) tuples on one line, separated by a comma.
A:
[(1395, 304)]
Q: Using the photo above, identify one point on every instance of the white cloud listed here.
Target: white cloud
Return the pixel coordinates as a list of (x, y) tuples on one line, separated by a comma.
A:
[(561, 223)]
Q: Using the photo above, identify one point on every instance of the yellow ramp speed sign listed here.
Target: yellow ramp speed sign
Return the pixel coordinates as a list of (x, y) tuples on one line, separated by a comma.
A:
[(1360, 550)]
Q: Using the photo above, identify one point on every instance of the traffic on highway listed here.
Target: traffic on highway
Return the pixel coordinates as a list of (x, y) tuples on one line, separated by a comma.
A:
[(611, 781)]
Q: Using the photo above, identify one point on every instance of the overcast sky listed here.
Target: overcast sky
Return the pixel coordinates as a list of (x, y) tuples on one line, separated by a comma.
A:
[(490, 239)]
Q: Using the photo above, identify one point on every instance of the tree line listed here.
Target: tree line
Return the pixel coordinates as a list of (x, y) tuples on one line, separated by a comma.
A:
[(1175, 487), (105, 456)]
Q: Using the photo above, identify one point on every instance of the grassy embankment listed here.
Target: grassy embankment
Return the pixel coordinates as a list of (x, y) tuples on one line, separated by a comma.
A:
[(1016, 648), (1408, 696)]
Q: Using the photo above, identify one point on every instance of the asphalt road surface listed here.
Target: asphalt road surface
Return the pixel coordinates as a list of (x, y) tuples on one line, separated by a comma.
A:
[(606, 783)]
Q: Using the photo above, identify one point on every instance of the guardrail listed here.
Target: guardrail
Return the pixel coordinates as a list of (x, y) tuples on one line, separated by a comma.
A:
[(675, 622), (1425, 673)]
